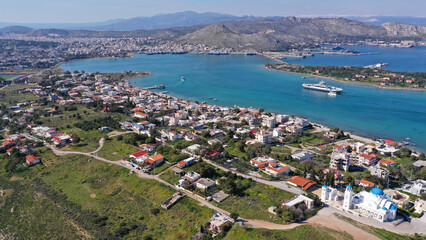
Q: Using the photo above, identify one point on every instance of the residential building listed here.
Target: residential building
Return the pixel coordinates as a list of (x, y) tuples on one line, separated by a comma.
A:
[(186, 162), (301, 182), (32, 160), (302, 155), (155, 160), (263, 137), (340, 161), (205, 183)]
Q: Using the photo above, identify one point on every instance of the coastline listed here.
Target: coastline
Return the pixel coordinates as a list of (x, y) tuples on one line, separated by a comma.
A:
[(338, 80), (354, 136)]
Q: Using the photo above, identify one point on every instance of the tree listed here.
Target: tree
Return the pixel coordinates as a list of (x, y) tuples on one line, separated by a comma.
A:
[(76, 139), (234, 216)]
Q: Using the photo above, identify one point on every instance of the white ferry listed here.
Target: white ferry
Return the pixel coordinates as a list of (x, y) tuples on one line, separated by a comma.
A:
[(321, 86)]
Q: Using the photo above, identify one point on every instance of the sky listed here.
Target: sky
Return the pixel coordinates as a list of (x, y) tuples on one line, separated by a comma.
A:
[(80, 11)]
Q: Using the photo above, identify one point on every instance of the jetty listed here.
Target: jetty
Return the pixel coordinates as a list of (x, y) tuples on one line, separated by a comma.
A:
[(161, 86)]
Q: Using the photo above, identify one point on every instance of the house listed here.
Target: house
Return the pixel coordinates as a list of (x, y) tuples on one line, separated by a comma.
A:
[(387, 162), (303, 155), (339, 148), (32, 160), (379, 172), (8, 144), (173, 135), (192, 176), (262, 161), (218, 220), (418, 187), (277, 170), (301, 182), (147, 147), (186, 162), (299, 199), (322, 147), (61, 139), (368, 159), (155, 160), (140, 156), (140, 115), (192, 150), (366, 183), (213, 154), (205, 183)]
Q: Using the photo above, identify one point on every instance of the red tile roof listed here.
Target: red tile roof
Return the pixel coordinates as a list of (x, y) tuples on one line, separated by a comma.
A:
[(301, 182), (31, 158), (365, 182), (139, 154)]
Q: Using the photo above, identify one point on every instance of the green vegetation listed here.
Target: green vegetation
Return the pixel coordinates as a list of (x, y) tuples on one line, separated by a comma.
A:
[(301, 232), (358, 75), (12, 95), (255, 202), (80, 197), (116, 150), (89, 141)]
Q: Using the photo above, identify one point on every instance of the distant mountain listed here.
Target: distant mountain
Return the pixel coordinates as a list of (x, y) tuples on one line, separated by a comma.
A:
[(162, 21), (15, 29), (379, 20), (267, 34)]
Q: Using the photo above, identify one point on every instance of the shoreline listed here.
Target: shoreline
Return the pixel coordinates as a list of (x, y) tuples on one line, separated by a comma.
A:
[(366, 137), (338, 80), (353, 136)]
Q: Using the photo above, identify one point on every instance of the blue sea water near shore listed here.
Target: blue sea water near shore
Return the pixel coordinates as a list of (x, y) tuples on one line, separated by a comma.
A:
[(243, 80), (399, 59)]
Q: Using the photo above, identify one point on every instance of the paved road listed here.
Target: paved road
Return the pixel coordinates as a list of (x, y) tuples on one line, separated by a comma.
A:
[(324, 217), (278, 184)]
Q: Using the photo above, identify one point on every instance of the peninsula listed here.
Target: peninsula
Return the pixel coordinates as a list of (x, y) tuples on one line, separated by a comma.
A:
[(358, 75)]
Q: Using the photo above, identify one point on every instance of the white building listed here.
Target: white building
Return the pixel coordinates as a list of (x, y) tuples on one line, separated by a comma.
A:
[(340, 161), (263, 137), (329, 194), (303, 155), (372, 204)]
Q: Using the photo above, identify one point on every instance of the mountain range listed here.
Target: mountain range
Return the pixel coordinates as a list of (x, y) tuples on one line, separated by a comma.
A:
[(188, 18), (262, 34)]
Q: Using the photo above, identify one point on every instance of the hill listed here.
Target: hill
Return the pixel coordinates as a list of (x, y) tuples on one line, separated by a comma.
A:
[(267, 34), (15, 29)]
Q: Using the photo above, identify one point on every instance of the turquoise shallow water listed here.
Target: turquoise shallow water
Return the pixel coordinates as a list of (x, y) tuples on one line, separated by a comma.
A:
[(407, 59), (242, 80)]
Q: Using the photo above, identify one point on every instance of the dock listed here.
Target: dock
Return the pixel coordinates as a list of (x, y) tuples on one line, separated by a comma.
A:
[(161, 86)]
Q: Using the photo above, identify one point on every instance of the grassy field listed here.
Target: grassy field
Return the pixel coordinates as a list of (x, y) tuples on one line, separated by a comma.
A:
[(71, 117), (381, 233), (128, 206), (9, 76), (89, 140), (256, 202), (303, 232), (116, 150), (28, 214), (12, 97)]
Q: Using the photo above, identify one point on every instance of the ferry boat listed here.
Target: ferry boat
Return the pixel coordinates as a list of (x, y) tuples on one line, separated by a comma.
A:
[(321, 86)]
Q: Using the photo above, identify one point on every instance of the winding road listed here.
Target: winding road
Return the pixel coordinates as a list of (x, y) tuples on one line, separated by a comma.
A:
[(324, 217)]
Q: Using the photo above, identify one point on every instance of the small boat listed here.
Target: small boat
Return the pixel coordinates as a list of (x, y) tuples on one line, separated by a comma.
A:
[(216, 99), (182, 79), (407, 138), (210, 97)]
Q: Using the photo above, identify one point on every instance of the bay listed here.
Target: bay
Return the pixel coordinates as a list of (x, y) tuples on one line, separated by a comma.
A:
[(399, 59), (242, 80)]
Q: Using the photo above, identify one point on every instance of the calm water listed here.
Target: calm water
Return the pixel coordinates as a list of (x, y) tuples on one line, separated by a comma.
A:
[(408, 59), (242, 80)]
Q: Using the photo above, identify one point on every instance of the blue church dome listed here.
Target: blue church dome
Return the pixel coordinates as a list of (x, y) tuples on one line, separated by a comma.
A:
[(377, 191), (324, 186), (384, 208), (349, 186), (393, 207)]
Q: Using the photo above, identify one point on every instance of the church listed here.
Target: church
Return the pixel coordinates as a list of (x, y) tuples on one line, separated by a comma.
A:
[(372, 204)]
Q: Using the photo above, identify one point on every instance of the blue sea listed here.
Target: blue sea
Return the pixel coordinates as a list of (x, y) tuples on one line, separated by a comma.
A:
[(242, 80), (406, 60)]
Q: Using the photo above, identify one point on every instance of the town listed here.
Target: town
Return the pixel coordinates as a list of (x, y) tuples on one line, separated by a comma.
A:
[(243, 163)]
